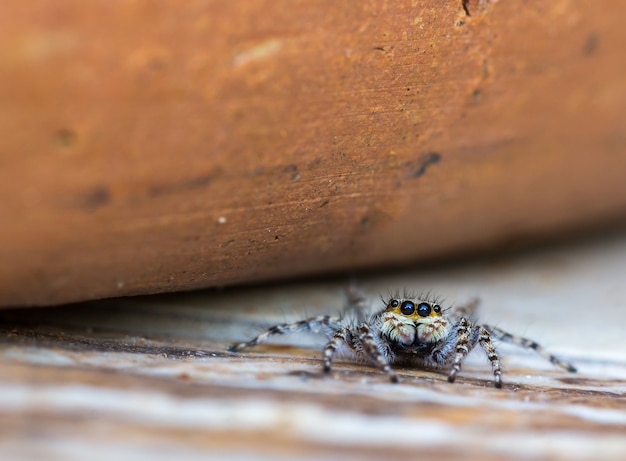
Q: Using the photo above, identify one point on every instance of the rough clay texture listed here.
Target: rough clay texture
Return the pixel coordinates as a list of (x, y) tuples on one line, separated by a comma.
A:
[(157, 147)]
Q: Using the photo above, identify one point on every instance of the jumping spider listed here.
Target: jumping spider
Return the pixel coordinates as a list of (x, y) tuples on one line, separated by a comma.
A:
[(409, 330)]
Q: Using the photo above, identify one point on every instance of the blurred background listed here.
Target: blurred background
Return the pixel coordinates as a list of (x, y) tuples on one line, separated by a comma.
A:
[(153, 148)]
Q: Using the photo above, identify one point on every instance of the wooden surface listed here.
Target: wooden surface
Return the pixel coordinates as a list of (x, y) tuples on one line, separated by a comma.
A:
[(152, 147), (149, 378)]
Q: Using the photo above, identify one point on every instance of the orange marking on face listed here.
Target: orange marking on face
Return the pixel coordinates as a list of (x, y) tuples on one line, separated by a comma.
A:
[(416, 313)]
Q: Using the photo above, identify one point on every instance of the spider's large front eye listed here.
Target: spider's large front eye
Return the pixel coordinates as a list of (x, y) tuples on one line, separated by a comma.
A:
[(407, 308), (394, 303), (423, 309)]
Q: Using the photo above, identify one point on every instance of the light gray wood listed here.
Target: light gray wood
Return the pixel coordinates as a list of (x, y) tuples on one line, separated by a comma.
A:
[(149, 377)]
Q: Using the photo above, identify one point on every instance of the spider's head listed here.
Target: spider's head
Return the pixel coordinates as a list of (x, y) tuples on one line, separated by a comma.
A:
[(420, 321)]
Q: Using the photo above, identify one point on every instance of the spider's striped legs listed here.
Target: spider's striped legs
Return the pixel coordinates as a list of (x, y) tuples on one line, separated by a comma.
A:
[(341, 336), (467, 310), (529, 344), (465, 343), (361, 341), (324, 324), (370, 347), (484, 339), (464, 331)]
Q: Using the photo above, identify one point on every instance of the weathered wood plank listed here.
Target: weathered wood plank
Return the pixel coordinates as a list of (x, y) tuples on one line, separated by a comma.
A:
[(150, 377), (152, 147)]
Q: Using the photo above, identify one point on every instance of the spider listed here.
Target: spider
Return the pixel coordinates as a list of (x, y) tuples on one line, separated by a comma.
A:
[(410, 331)]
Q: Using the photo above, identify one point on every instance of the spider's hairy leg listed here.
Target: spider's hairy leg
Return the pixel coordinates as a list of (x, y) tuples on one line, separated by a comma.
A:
[(484, 339), (469, 308), (357, 303), (529, 344), (465, 310), (341, 336), (464, 331), (368, 343), (325, 323)]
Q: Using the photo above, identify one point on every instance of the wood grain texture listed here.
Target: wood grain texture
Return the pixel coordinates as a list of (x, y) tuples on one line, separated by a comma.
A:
[(151, 147), (149, 378)]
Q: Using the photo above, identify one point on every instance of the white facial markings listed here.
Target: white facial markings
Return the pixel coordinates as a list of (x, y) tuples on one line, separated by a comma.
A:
[(431, 329), (398, 328)]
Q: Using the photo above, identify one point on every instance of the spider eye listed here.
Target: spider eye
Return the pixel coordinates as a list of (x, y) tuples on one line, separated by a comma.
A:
[(394, 303), (423, 309), (407, 308), (437, 308)]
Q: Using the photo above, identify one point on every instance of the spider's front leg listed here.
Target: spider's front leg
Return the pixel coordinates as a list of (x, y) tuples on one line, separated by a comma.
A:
[(462, 347), (361, 342), (324, 323), (341, 336), (484, 339), (465, 343), (370, 347)]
